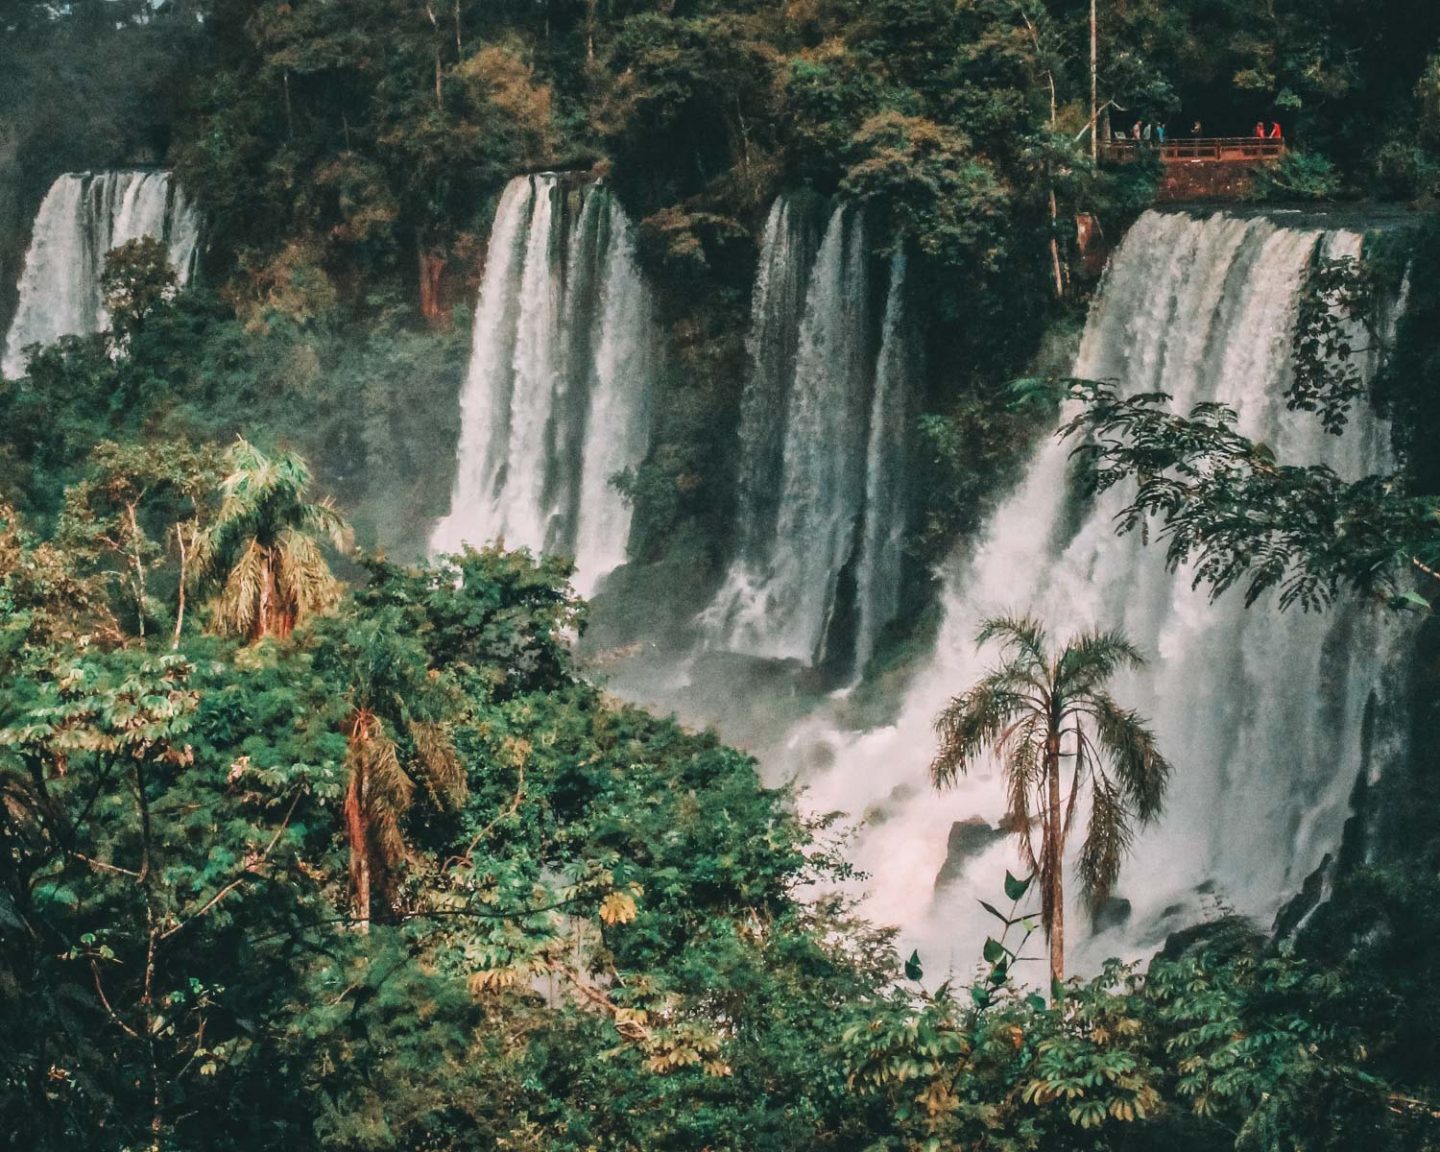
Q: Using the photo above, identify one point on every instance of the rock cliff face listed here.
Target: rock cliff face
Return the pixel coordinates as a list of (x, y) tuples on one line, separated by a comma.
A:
[(1185, 181)]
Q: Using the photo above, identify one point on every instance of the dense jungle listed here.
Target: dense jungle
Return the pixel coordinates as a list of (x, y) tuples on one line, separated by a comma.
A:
[(697, 575)]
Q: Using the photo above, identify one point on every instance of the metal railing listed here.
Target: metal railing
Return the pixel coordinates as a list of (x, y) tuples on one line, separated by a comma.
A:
[(1237, 149)]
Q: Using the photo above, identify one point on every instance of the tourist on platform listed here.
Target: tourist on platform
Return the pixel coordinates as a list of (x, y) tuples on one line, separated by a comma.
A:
[(1260, 130), (1145, 134), (1197, 129), (1135, 131), (1160, 134), (1275, 131)]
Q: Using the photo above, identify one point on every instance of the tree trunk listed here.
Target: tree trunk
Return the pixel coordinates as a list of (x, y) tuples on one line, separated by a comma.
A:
[(1094, 84), (139, 562), (184, 577), (439, 67), (260, 627), (1057, 267), (274, 616), (357, 833), (432, 268), (1054, 852)]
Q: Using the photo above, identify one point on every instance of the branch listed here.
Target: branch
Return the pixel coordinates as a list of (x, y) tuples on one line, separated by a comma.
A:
[(250, 869)]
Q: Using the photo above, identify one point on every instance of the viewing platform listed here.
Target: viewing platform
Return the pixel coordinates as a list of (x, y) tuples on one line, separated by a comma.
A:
[(1201, 168)]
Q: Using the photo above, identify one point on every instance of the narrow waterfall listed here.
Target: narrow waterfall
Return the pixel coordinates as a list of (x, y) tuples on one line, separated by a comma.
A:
[(82, 218), (1263, 714), (555, 402), (878, 581), (822, 438), (787, 255)]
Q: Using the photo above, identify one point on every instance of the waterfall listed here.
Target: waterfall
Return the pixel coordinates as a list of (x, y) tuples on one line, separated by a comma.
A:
[(81, 219), (822, 436), (1263, 714), (555, 402), (787, 255), (878, 582)]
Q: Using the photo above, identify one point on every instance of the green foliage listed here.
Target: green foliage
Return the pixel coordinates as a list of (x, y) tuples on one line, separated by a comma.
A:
[(600, 906), (1304, 531), (1337, 328), (933, 187), (1297, 175), (137, 280)]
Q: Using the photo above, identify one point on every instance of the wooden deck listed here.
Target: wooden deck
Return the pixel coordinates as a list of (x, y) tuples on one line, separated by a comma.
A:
[(1216, 168), (1216, 149)]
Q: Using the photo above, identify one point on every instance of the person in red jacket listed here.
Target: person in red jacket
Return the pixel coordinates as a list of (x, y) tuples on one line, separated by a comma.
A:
[(1275, 131), (1260, 130)]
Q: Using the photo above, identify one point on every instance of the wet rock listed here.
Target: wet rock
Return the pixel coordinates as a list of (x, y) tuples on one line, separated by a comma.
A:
[(1230, 934), (883, 810), (1113, 913), (968, 838), (1292, 914)]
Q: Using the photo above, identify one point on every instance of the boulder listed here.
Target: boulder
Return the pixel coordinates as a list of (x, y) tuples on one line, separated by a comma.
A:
[(968, 838)]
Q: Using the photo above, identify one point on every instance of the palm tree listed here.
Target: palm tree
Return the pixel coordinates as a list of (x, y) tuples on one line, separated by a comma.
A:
[(1037, 711), (397, 733), (263, 548)]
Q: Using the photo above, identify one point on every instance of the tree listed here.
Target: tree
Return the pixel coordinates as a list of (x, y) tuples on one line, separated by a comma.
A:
[(262, 548), (1024, 711), (396, 729), (129, 491), (137, 280)]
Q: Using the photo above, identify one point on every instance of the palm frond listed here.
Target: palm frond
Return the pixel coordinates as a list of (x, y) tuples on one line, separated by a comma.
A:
[(1023, 635), (1024, 776), (1107, 840), (303, 578), (440, 766), (324, 520), (1091, 659), (236, 606), (969, 725), (262, 505), (373, 756), (1128, 745)]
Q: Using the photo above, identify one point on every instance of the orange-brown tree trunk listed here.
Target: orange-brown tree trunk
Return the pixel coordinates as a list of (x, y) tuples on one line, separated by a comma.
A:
[(1054, 853), (432, 270), (357, 828), (274, 616)]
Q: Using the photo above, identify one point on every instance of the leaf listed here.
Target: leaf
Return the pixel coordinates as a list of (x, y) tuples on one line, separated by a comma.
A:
[(981, 995), (996, 913), (994, 950), (618, 908), (1035, 1002), (1015, 889), (913, 970)]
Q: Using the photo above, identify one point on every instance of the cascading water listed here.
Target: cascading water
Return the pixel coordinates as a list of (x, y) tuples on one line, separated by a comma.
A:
[(787, 255), (822, 450), (81, 219), (556, 398), (878, 582), (1263, 714)]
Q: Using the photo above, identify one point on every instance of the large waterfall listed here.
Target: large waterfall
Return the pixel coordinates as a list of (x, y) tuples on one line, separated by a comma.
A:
[(556, 399), (1266, 716), (82, 218), (823, 429)]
